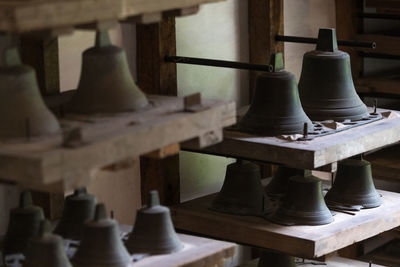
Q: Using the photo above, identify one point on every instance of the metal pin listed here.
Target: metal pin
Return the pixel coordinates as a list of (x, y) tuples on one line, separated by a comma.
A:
[(112, 214), (375, 105), (305, 130), (27, 129)]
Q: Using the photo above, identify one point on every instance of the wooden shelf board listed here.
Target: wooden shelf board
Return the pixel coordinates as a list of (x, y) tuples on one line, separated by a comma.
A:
[(106, 140), (301, 241), (385, 163), (378, 84), (39, 15), (334, 261), (385, 44), (383, 3), (198, 251), (308, 154)]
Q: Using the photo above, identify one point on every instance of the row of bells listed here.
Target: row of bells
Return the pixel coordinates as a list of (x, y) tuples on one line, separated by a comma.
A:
[(325, 92), (300, 196), (100, 239)]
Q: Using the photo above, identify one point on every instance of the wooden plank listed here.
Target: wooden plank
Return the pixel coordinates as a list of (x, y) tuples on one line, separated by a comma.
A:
[(386, 163), (107, 140), (387, 45), (334, 261), (308, 154), (383, 3), (198, 251), (348, 25), (302, 241), (265, 22), (383, 84)]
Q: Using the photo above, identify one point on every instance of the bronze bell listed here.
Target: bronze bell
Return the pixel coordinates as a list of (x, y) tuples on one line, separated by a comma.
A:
[(276, 107), (24, 224), (277, 187), (353, 186), (101, 244), (275, 259), (303, 204), (153, 232), (24, 113), (106, 84), (326, 87), (79, 208), (242, 192), (46, 250)]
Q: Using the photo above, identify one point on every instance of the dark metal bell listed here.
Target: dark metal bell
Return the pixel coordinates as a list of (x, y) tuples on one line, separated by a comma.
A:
[(153, 232), (326, 87), (278, 186), (354, 185), (304, 203), (276, 107), (275, 259), (242, 192), (24, 224), (101, 244), (24, 113), (46, 250), (79, 208), (106, 84)]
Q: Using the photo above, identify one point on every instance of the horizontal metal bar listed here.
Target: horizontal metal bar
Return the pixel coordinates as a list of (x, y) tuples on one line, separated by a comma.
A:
[(219, 63), (309, 40)]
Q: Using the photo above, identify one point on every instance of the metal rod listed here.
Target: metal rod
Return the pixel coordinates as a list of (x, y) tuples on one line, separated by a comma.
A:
[(379, 16), (309, 40), (219, 63)]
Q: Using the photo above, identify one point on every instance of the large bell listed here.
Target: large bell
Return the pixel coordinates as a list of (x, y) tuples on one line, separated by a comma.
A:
[(242, 192), (23, 112), (278, 186), (353, 186), (46, 250), (326, 87), (24, 224), (153, 232), (303, 204), (79, 208), (276, 107), (275, 259), (106, 84), (101, 244)]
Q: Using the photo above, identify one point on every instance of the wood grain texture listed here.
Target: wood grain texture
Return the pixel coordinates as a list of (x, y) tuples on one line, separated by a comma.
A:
[(107, 140), (308, 154), (302, 241), (383, 84), (386, 163)]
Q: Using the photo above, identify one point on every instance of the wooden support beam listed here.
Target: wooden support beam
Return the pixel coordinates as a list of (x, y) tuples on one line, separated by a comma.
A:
[(155, 76), (265, 22), (348, 25)]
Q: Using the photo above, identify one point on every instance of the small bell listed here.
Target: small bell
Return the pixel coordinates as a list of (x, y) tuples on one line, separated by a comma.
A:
[(24, 113), (242, 192), (276, 107), (101, 244), (278, 186), (153, 232), (79, 208), (353, 186), (46, 250), (326, 86), (304, 203), (24, 224), (275, 259), (106, 84)]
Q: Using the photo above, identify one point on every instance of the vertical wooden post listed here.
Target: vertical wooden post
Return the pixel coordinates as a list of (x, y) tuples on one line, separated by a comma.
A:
[(265, 22), (42, 54), (348, 24), (158, 77)]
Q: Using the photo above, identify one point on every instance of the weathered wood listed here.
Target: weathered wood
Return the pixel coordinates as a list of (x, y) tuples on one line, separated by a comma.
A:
[(387, 45), (386, 163), (308, 154), (302, 241), (383, 3), (348, 25), (383, 84), (265, 22), (107, 140)]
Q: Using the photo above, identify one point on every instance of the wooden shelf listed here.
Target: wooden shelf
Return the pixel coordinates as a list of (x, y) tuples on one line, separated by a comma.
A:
[(103, 141), (384, 84), (301, 241), (308, 154), (38, 15), (198, 251), (334, 261), (386, 163)]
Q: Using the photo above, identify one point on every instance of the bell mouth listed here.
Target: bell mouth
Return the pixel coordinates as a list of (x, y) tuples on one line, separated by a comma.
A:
[(288, 217)]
